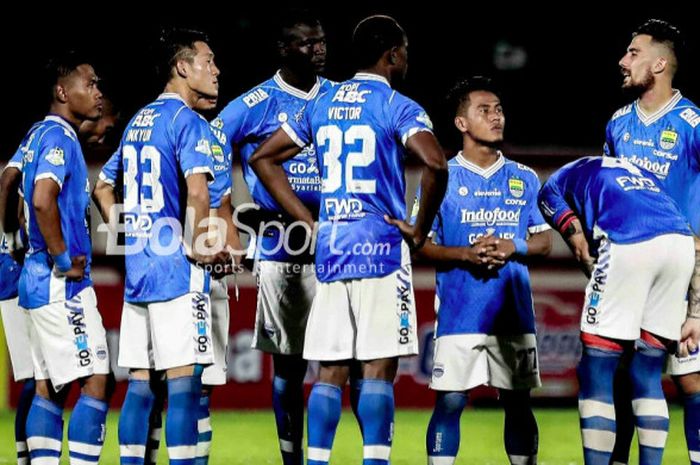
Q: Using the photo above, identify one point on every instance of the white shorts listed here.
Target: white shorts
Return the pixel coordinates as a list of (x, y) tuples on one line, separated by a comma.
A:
[(363, 319), (68, 340), (170, 334), (639, 286), (285, 294), (16, 322), (464, 361), (215, 374)]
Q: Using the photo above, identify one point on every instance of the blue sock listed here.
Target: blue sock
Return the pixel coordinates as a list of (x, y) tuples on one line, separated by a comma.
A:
[(288, 405), (204, 430), (596, 372), (86, 429), (323, 416), (520, 432), (45, 430), (25, 403), (376, 410), (648, 402), (134, 422), (181, 419), (692, 426), (442, 439)]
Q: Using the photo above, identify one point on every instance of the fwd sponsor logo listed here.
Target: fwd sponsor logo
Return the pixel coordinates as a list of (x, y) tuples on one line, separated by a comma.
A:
[(629, 183), (343, 208), (491, 217), (659, 169)]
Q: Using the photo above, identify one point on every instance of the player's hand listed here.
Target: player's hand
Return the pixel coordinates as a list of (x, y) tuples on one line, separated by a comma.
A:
[(408, 231), (690, 337), (475, 255), (579, 246), (77, 270), (498, 251)]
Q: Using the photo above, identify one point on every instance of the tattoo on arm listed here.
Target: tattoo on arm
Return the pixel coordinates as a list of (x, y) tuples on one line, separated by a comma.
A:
[(694, 290)]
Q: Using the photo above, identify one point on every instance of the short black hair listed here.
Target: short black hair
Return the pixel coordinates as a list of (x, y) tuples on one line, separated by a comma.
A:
[(458, 96), (175, 44), (373, 36), (662, 32), (61, 66), (290, 18)]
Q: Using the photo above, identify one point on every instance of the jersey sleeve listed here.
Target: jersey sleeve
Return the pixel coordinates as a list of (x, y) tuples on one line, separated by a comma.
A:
[(193, 144), (112, 169), (609, 145), (237, 120), (555, 210), (535, 221), (409, 118), (54, 155), (299, 128)]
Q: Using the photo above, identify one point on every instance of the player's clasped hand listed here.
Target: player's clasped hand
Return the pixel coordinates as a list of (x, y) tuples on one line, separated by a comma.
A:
[(494, 252), (77, 270)]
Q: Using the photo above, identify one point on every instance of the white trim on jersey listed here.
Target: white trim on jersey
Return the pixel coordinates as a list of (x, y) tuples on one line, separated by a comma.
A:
[(483, 172), (649, 119), (310, 95), (539, 228), (292, 135), (412, 132), (51, 176), (171, 95), (103, 177), (62, 122), (199, 170), (14, 164), (371, 77)]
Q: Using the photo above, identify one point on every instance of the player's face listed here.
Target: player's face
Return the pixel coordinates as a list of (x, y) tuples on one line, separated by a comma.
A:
[(484, 119), (306, 48), (202, 75), (82, 95), (636, 65), (95, 132), (401, 59)]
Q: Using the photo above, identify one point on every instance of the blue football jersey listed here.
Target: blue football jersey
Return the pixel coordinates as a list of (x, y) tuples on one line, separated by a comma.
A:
[(612, 198), (163, 144), (52, 151), (9, 268), (666, 143), (500, 201), (359, 129), (248, 121)]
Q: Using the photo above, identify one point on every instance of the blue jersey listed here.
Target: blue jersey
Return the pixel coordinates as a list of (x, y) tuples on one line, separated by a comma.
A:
[(9, 268), (52, 151), (163, 144), (359, 129), (612, 198), (666, 143), (501, 201), (248, 121)]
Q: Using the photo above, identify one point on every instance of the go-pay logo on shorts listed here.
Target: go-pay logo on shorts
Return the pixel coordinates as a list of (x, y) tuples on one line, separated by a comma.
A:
[(404, 295), (200, 307), (76, 319)]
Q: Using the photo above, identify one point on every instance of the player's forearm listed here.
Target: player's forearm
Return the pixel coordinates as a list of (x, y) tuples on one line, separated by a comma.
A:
[(433, 187), (9, 195), (48, 217), (105, 198), (275, 180), (233, 239), (434, 253), (540, 244), (694, 290)]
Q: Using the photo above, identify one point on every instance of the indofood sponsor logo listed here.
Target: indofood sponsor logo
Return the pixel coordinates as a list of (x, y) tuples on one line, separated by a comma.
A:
[(497, 216)]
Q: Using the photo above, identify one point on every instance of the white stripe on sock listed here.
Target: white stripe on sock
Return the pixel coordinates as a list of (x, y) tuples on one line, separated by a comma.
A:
[(619, 463), (45, 461), (523, 459), (82, 448), (650, 407), (440, 460), (21, 446), (376, 452), (694, 456), (203, 448), (318, 454), (600, 440), (204, 425), (23, 461), (155, 434), (74, 461), (594, 408), (41, 442), (132, 450), (652, 437), (154, 456), (182, 452), (286, 446)]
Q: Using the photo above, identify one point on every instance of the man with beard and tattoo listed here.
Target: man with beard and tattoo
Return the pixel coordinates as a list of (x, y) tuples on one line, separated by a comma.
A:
[(659, 132)]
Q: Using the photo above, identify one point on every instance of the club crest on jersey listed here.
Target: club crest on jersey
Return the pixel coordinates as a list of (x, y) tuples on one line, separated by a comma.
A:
[(282, 117), (626, 137), (56, 157), (668, 139), (203, 147), (463, 191), (516, 187), (425, 119)]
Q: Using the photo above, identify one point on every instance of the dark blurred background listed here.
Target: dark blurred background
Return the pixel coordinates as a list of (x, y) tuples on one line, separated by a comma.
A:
[(557, 66)]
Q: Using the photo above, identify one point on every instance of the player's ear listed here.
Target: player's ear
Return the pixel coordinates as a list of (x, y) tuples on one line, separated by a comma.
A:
[(461, 124), (181, 68), (660, 65), (393, 55), (60, 94)]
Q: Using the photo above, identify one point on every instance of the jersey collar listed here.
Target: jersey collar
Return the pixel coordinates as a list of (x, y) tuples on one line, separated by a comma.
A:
[(171, 95), (310, 95), (371, 77), (485, 173), (648, 119), (66, 125)]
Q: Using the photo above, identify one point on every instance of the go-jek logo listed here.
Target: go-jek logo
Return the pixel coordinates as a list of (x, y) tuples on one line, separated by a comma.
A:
[(490, 217)]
